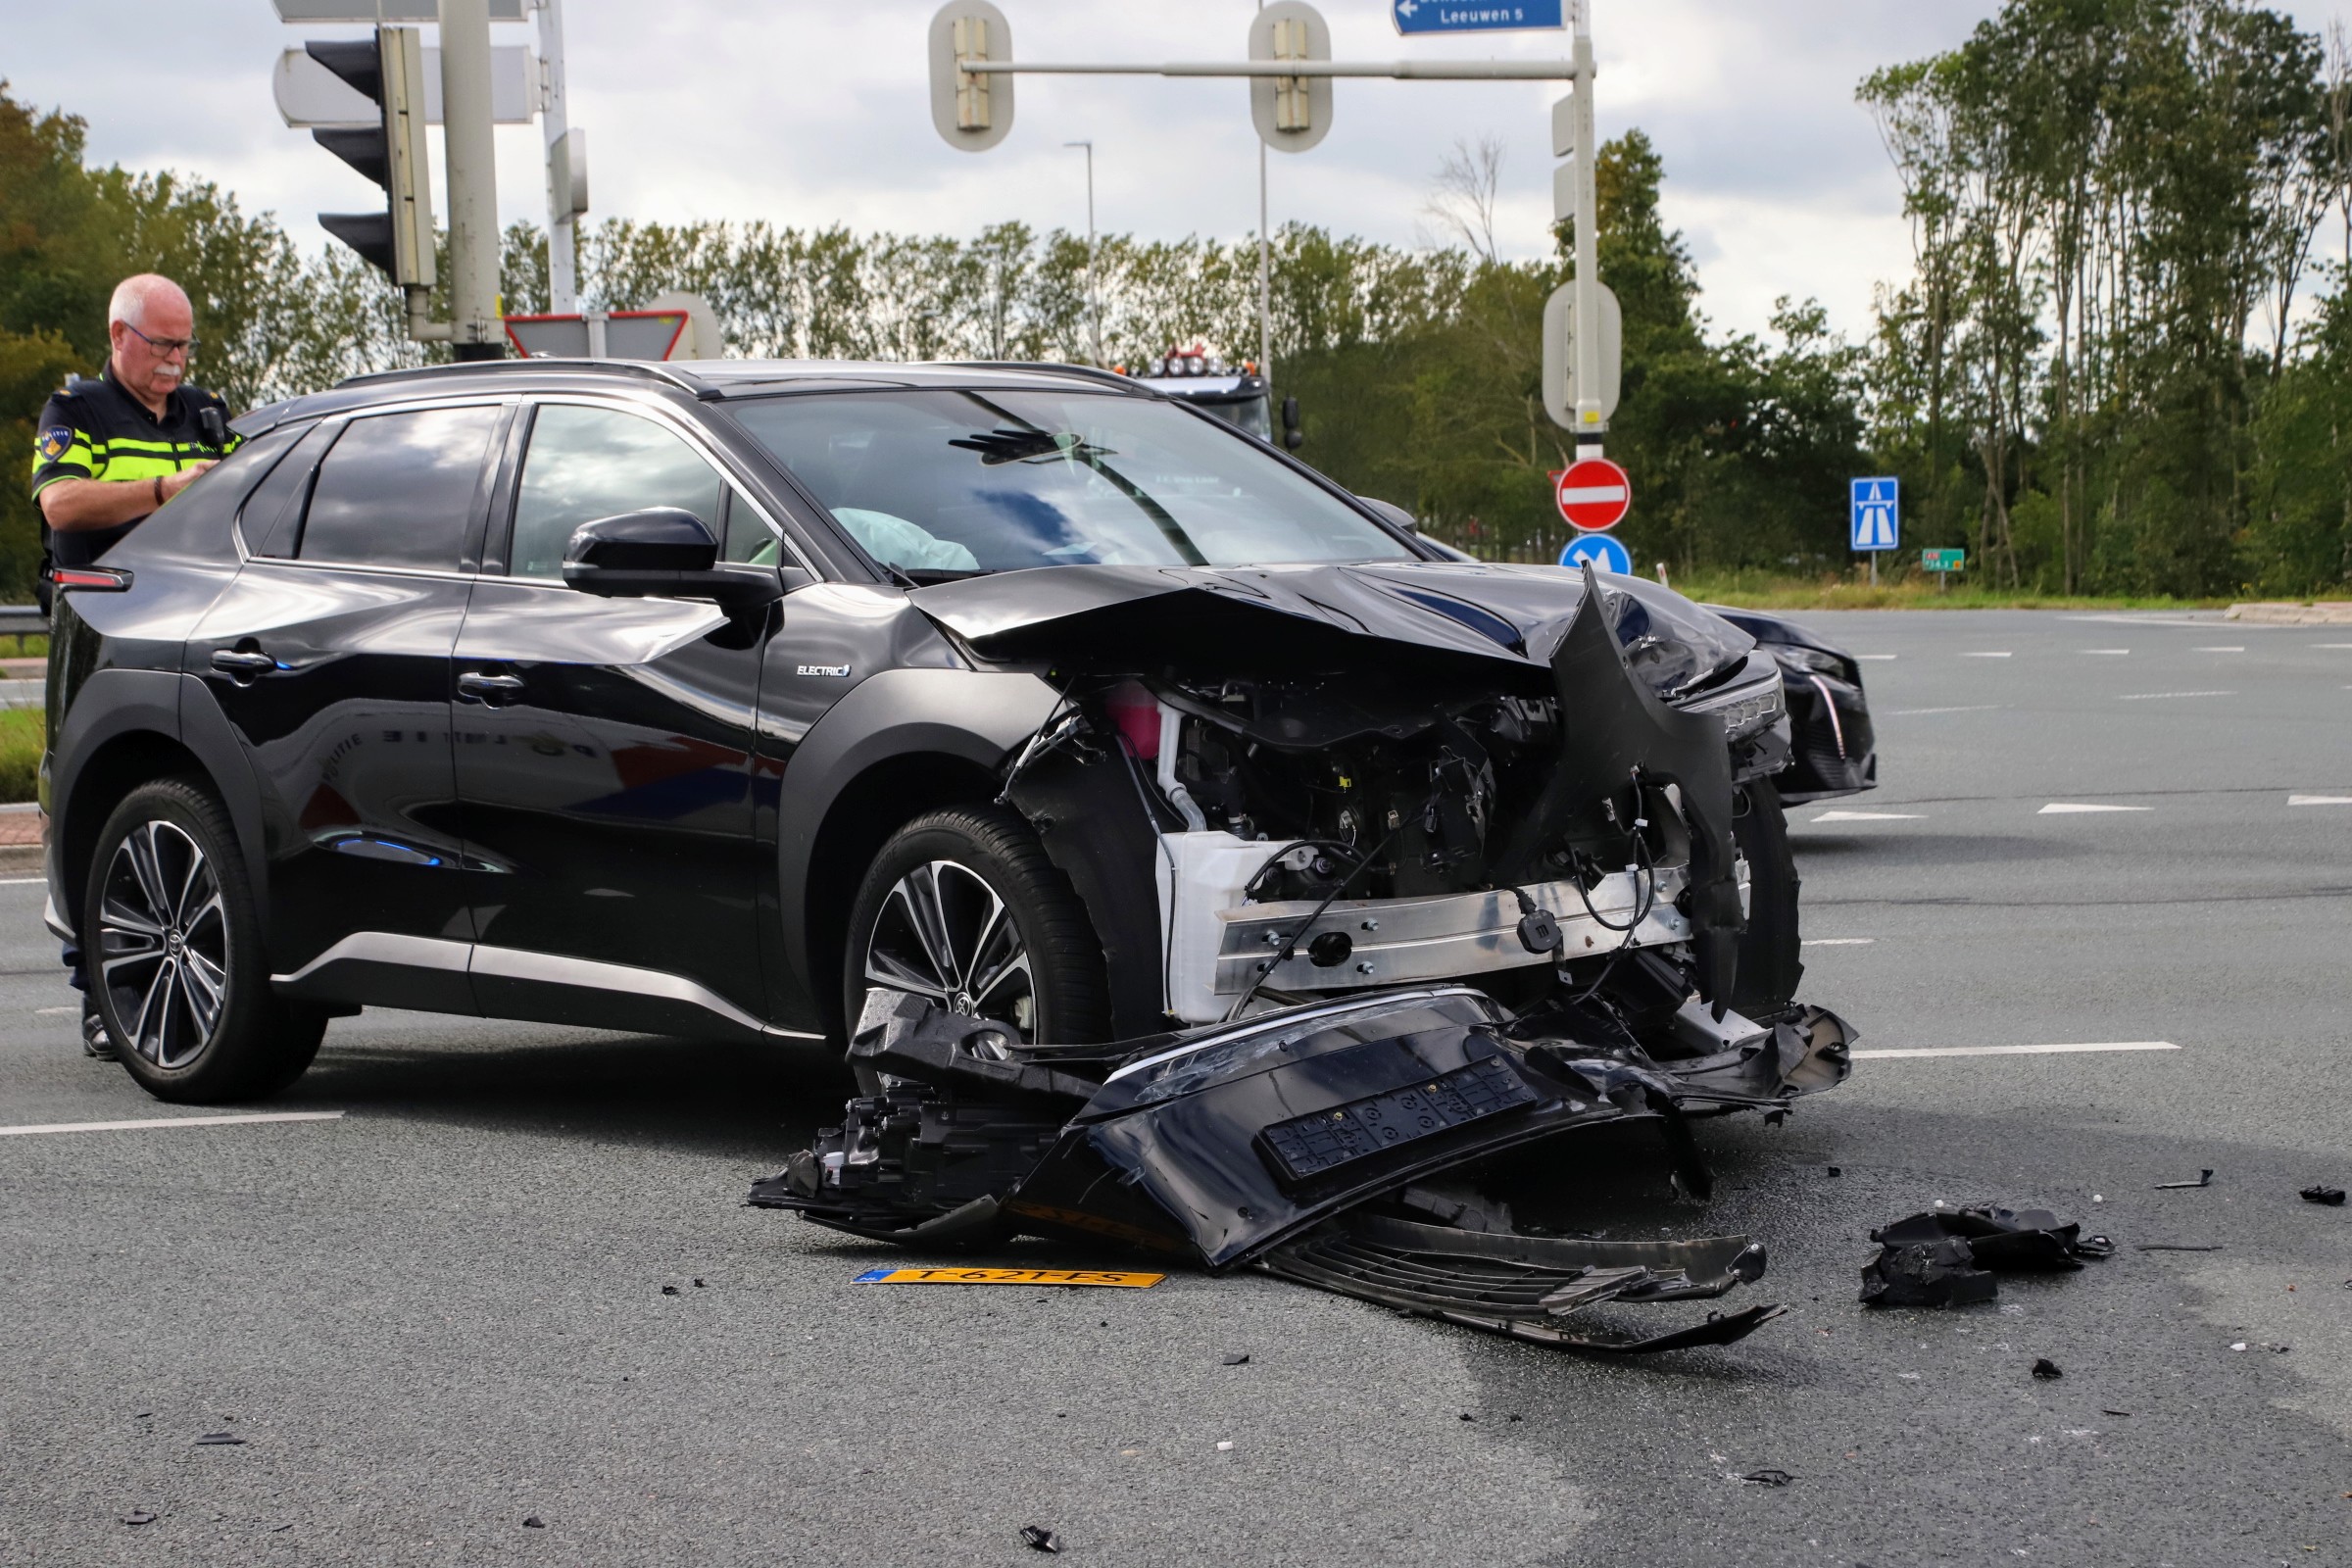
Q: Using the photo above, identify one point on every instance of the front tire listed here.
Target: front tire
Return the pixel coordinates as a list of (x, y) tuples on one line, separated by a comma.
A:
[(173, 946), (963, 907)]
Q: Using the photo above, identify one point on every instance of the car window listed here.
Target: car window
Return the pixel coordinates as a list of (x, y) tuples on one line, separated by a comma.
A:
[(584, 463), (749, 541), (953, 482), (278, 495), (398, 489)]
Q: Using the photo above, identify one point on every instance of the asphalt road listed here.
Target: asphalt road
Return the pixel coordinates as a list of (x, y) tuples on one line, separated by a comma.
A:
[(444, 1313)]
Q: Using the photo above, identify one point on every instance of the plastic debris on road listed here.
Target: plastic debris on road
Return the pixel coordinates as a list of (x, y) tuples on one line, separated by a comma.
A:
[(1948, 1256), (1039, 1539), (2204, 1178), (2334, 1196)]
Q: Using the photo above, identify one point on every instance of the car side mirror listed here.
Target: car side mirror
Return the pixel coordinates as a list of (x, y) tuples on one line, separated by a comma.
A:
[(662, 553)]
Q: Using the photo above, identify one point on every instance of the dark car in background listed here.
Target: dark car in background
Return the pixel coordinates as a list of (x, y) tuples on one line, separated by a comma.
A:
[(1832, 747), (747, 699)]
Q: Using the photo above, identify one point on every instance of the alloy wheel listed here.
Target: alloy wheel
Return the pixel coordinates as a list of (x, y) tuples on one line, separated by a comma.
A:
[(163, 944), (945, 934)]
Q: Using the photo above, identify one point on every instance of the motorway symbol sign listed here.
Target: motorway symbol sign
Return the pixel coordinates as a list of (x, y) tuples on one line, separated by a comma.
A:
[(1593, 494), (1605, 552), (1476, 15), (1943, 560), (1877, 520)]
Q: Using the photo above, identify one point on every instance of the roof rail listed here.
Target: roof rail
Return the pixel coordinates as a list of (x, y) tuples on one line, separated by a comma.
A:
[(645, 367), (1092, 372)]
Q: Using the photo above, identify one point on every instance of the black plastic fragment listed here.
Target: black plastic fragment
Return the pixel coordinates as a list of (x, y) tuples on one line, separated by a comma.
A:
[(138, 1516), (1768, 1477), (2204, 1178), (1039, 1539), (220, 1439), (1240, 1360), (2046, 1369), (2332, 1196), (1937, 1273), (669, 1289), (2178, 1247), (534, 1522)]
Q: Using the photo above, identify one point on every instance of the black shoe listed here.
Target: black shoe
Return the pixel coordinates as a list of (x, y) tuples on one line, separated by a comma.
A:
[(95, 1041)]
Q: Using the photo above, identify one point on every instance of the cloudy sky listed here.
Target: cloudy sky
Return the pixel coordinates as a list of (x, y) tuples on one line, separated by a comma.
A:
[(816, 112)]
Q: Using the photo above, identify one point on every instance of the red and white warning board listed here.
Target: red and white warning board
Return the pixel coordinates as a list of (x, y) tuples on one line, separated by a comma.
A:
[(1593, 494)]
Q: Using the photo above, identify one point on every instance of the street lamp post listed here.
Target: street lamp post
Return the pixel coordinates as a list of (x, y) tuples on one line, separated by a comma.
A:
[(1094, 304)]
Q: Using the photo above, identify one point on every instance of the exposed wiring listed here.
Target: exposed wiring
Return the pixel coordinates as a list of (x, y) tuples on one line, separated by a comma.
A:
[(1059, 725), (1249, 889), (1290, 943)]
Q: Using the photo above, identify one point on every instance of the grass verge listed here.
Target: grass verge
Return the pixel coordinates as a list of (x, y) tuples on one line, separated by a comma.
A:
[(22, 737), (1757, 590)]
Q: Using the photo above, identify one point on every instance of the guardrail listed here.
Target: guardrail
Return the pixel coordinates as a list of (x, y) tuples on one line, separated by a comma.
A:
[(22, 621)]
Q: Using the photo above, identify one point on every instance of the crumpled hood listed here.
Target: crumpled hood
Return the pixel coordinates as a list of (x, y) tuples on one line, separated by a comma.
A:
[(1324, 615)]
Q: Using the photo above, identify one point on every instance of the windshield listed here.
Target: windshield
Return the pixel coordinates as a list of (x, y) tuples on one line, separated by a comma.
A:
[(949, 483)]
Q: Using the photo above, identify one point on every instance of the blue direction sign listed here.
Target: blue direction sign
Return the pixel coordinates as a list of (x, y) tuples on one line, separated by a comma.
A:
[(1877, 507), (1476, 15), (1605, 554)]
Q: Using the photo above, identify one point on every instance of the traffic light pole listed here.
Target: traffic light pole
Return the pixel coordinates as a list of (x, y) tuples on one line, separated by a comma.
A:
[(562, 276), (475, 332)]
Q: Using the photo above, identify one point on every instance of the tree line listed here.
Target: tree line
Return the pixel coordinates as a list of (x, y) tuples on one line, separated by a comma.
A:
[(2116, 367)]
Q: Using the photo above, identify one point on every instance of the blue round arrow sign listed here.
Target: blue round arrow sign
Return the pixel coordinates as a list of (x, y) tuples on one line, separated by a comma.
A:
[(1605, 554)]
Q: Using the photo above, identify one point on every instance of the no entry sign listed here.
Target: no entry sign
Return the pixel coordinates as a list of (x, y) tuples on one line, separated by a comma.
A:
[(1593, 494)]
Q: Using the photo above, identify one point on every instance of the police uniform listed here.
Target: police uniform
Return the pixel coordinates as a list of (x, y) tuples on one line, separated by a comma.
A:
[(96, 430)]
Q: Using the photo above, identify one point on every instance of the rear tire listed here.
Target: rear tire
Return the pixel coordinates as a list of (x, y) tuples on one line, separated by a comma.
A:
[(173, 956), (1770, 965), (963, 907)]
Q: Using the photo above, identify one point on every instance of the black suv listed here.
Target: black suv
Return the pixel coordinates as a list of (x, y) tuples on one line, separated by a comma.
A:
[(745, 698)]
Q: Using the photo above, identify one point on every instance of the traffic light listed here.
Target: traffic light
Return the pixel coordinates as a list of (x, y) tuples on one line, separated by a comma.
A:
[(389, 71)]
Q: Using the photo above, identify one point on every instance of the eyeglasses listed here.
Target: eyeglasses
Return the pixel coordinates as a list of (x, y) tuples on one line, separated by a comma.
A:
[(165, 346)]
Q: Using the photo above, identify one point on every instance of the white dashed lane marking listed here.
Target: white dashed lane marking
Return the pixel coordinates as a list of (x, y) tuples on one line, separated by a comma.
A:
[(2024, 1051), (1917, 713), (1891, 655), (2319, 799), (170, 1121), (2110, 652), (2219, 650), (1840, 942), (1868, 817), (2070, 807), (2149, 696)]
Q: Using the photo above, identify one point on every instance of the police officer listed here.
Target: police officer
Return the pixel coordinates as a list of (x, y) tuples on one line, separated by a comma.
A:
[(109, 452)]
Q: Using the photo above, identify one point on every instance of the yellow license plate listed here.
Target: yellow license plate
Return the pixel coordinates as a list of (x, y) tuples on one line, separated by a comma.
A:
[(1008, 1275)]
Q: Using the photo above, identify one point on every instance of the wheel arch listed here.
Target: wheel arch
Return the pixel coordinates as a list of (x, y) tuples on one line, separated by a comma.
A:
[(126, 729), (904, 742)]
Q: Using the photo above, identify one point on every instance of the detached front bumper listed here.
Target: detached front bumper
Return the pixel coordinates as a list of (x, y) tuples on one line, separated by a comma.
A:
[(1833, 749)]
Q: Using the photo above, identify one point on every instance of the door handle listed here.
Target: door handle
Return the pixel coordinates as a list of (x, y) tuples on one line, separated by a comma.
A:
[(475, 686), (243, 665)]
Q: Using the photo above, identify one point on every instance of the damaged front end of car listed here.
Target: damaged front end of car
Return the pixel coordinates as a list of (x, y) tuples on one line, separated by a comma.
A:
[(1422, 870)]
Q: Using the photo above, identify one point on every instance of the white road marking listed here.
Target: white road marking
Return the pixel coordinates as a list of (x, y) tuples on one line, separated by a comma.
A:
[(171, 1121), (22, 881), (46, 1012), (2112, 653), (1868, 817), (2065, 808), (1915, 713), (2319, 799), (2315, 644), (2218, 650), (2149, 696), (1985, 655), (2025, 1050), (1840, 942), (1897, 656)]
